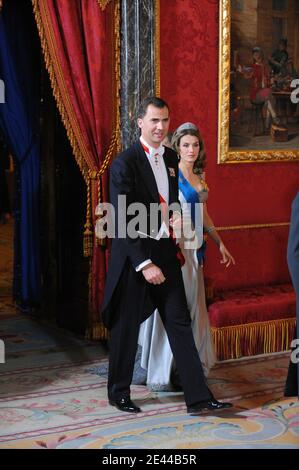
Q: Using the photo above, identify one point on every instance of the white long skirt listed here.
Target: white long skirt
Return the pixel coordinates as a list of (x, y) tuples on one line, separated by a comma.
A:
[(157, 356)]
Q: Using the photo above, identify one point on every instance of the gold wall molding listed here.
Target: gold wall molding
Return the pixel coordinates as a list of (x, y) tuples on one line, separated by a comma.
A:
[(225, 155), (157, 48), (252, 226)]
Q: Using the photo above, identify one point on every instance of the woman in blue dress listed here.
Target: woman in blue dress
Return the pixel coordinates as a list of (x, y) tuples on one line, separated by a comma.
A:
[(156, 355)]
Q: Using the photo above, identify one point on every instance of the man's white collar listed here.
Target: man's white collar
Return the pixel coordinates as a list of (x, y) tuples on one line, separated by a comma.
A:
[(153, 151)]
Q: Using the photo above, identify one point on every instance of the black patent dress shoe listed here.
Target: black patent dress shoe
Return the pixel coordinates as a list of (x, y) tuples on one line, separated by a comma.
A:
[(125, 404), (208, 405), (291, 392)]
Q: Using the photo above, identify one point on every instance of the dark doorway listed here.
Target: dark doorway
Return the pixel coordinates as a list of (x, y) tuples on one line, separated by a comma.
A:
[(63, 205)]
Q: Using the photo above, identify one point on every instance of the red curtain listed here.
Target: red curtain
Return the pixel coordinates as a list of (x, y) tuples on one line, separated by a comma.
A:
[(79, 43)]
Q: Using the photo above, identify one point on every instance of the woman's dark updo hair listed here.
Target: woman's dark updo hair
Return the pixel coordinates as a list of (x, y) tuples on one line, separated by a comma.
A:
[(188, 128)]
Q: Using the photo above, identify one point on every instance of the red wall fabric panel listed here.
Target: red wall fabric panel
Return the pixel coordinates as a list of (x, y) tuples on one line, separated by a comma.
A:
[(260, 256)]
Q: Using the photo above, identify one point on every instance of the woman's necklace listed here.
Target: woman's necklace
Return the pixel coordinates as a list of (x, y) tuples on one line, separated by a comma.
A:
[(196, 181)]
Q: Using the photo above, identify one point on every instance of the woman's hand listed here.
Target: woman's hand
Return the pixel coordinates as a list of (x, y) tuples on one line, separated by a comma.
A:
[(227, 258), (176, 223)]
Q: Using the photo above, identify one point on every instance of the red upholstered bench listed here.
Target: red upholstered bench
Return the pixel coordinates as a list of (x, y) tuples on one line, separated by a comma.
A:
[(253, 320)]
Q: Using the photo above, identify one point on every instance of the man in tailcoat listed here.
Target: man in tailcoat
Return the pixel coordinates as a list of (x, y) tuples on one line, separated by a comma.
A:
[(144, 270)]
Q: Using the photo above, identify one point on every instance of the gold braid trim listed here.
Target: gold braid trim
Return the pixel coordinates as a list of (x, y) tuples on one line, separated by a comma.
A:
[(251, 339), (69, 118), (97, 332), (117, 84), (96, 176), (252, 226), (157, 49)]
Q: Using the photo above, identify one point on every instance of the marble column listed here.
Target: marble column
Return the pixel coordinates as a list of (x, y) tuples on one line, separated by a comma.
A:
[(137, 62)]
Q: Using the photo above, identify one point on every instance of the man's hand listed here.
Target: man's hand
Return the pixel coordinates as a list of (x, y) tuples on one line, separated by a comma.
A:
[(153, 274)]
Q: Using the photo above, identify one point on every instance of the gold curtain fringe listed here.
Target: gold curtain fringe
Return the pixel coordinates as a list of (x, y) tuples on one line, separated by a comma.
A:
[(87, 242), (232, 342), (103, 3), (96, 331)]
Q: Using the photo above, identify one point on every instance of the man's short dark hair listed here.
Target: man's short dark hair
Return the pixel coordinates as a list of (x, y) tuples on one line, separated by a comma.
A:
[(151, 100)]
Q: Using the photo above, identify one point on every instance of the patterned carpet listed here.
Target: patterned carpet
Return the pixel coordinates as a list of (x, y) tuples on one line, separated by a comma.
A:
[(57, 404), (49, 400)]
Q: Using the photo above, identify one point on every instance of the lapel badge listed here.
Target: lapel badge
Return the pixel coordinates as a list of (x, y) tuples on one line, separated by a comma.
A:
[(171, 171)]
